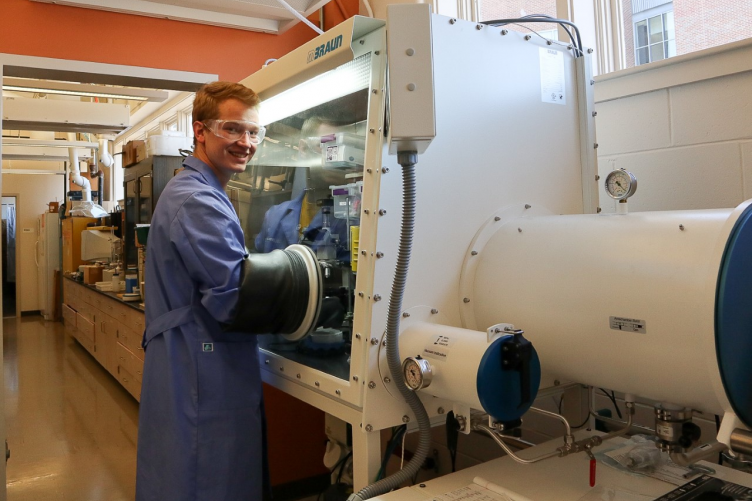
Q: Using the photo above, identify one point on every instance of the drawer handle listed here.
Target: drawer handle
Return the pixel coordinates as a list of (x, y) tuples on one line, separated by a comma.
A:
[(125, 380), (140, 348), (121, 358)]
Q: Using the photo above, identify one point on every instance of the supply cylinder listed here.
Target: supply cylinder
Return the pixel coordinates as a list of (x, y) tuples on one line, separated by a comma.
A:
[(655, 304), (468, 368)]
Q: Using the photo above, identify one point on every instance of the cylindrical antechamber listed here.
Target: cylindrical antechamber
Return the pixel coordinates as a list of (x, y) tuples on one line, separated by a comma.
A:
[(468, 368), (658, 304)]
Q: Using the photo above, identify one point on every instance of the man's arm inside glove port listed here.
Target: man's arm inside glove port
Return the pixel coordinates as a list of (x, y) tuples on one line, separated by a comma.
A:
[(275, 292)]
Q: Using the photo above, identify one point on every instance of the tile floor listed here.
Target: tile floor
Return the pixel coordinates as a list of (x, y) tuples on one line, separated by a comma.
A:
[(71, 427)]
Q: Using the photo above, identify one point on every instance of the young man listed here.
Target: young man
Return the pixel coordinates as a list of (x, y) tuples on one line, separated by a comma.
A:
[(201, 426)]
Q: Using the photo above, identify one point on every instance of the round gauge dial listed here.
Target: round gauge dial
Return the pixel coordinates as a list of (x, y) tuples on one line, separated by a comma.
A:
[(417, 372), (621, 184)]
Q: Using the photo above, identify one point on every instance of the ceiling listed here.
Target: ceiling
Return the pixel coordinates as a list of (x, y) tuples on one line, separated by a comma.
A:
[(267, 16)]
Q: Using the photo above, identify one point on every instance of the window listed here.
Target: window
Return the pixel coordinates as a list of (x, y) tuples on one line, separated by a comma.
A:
[(654, 38), (171, 124), (659, 29)]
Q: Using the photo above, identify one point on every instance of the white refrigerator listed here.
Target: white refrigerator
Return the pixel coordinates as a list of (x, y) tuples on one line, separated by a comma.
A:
[(48, 260)]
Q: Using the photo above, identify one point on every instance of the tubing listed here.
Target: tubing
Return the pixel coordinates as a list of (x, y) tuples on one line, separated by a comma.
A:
[(76, 175), (407, 160)]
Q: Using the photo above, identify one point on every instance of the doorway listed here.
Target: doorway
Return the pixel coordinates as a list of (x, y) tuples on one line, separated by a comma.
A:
[(9, 261)]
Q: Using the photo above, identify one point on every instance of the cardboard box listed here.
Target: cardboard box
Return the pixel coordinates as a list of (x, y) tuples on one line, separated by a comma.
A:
[(133, 152), (92, 274)]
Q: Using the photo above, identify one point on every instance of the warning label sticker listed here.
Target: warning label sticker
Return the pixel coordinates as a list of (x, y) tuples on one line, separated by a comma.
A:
[(553, 80), (627, 324), (438, 348), (331, 153)]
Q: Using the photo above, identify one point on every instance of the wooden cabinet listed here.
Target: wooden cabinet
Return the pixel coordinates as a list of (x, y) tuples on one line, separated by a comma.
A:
[(108, 329), (143, 183), (72, 228)]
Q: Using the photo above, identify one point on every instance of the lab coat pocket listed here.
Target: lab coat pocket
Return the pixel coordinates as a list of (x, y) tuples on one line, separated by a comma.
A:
[(228, 376)]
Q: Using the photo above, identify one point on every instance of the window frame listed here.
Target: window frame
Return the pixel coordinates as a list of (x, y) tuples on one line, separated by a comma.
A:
[(645, 16)]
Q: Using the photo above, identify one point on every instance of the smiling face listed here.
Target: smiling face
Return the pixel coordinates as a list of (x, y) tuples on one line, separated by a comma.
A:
[(224, 156)]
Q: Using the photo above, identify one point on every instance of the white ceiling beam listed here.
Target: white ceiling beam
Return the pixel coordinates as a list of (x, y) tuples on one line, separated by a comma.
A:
[(42, 154), (44, 68), (176, 13), (64, 116), (67, 88), (48, 143)]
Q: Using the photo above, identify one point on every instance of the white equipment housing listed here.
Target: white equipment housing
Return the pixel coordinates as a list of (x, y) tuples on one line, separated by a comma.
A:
[(507, 153)]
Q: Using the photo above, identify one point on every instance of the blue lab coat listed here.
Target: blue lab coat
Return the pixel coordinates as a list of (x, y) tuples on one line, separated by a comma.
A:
[(201, 428), (281, 228), (281, 225)]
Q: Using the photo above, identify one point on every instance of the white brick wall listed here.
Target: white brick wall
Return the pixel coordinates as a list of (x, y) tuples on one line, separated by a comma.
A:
[(689, 142)]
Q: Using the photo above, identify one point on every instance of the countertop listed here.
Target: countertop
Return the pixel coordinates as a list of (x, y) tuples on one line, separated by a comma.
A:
[(138, 305)]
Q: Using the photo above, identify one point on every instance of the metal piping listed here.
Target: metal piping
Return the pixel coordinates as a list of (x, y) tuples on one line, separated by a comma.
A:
[(698, 454), (490, 432), (556, 416), (741, 441)]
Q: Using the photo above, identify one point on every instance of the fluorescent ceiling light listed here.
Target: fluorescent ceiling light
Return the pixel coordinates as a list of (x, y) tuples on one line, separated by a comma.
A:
[(30, 171), (48, 143), (339, 82), (84, 90), (72, 93)]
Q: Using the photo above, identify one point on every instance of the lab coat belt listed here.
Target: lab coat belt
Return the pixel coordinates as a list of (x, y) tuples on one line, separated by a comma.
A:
[(167, 321)]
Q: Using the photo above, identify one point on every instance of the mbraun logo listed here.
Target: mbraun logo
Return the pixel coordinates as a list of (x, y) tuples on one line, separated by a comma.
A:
[(324, 49)]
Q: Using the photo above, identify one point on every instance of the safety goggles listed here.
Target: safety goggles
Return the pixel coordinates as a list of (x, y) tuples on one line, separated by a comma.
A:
[(234, 130)]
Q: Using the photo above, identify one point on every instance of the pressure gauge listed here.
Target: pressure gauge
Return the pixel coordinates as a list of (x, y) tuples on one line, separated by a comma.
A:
[(621, 184), (417, 372)]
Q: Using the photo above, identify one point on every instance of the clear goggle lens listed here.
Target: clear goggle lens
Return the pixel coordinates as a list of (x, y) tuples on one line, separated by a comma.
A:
[(234, 130)]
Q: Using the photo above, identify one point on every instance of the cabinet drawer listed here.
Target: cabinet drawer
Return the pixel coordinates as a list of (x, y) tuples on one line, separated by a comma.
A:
[(132, 364), (134, 320), (121, 313), (129, 382), (96, 300), (87, 311), (84, 341), (69, 317), (85, 327), (131, 341)]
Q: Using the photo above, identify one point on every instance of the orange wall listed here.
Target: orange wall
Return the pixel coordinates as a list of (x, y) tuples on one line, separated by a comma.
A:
[(57, 31)]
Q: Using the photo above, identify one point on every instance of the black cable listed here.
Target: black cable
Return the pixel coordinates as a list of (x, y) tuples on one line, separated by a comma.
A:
[(612, 397), (583, 423), (531, 19), (415, 477), (396, 437), (563, 27), (452, 436), (341, 468), (717, 429)]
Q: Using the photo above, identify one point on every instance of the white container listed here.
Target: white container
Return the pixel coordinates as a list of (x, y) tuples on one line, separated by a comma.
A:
[(167, 145), (347, 200)]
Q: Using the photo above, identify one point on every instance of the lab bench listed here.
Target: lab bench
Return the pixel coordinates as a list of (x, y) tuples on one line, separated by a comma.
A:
[(556, 479), (109, 328)]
